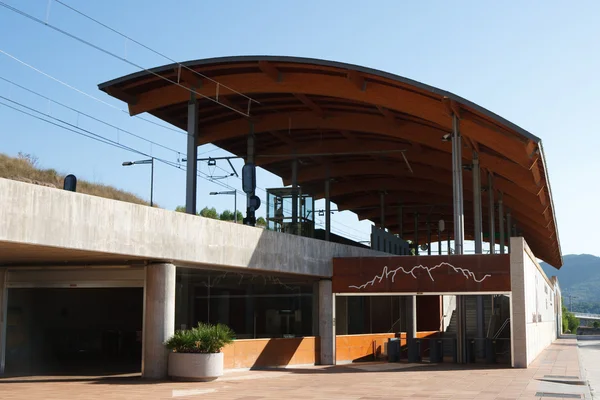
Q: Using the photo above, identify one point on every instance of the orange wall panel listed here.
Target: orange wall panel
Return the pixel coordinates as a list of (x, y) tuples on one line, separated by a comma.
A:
[(256, 353)]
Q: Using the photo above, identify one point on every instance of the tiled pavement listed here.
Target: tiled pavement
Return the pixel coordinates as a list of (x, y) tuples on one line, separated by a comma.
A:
[(358, 381)]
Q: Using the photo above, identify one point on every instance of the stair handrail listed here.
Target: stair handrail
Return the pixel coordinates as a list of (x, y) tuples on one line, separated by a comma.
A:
[(506, 321)]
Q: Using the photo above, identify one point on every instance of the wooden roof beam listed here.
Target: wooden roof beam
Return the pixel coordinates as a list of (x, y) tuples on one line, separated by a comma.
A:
[(310, 104), (357, 79), (270, 70)]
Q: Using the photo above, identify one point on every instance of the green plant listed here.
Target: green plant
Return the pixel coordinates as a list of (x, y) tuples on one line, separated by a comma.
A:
[(596, 324), (205, 338)]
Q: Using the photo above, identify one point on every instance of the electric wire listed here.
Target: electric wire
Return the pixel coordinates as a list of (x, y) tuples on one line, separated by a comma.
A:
[(151, 49), (77, 38), (88, 115), (87, 94)]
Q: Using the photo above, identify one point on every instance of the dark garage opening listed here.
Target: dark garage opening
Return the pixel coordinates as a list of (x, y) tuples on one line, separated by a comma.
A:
[(74, 331)]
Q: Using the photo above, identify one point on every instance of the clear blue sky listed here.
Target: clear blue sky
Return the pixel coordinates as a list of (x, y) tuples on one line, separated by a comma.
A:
[(535, 64)]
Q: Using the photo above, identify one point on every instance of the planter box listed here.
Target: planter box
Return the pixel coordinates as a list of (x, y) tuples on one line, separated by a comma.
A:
[(195, 366)]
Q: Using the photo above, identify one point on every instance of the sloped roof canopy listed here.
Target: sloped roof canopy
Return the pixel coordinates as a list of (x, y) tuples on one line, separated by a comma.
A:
[(372, 130)]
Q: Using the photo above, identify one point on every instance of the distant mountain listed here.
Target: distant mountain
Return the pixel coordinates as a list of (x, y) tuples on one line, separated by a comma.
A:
[(579, 277)]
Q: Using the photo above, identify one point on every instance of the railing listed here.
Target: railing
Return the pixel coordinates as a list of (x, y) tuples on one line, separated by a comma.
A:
[(501, 328)]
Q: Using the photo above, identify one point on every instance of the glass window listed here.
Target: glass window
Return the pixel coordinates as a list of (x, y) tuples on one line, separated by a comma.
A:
[(253, 305)]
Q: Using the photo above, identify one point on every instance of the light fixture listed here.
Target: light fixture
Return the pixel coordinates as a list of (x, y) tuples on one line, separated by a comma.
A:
[(447, 137)]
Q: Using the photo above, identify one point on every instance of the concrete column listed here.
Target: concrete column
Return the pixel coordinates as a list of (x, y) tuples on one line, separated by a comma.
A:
[(192, 157), (327, 322), (159, 319), (3, 317), (411, 317), (315, 309)]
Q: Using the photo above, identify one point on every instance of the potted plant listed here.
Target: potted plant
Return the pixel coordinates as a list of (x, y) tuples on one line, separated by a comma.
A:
[(196, 353)]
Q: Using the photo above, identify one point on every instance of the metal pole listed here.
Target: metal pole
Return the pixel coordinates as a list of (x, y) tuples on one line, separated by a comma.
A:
[(327, 208), (501, 221), (457, 184), (448, 238), (250, 160), (491, 212), (477, 213), (400, 222), (235, 206), (382, 210), (152, 183), (416, 233), (428, 237), (439, 242), (294, 194), (192, 156), (508, 227)]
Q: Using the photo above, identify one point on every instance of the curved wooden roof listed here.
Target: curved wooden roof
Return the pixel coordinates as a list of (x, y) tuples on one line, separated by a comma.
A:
[(359, 123)]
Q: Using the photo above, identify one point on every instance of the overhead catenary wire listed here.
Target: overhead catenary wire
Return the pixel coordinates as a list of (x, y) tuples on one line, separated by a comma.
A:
[(87, 94), (97, 137), (87, 115), (152, 50), (77, 38)]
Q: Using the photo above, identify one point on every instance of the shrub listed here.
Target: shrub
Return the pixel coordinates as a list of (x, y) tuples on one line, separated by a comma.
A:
[(205, 338)]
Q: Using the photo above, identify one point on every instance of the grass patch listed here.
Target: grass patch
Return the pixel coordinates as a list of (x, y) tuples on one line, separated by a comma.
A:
[(25, 168)]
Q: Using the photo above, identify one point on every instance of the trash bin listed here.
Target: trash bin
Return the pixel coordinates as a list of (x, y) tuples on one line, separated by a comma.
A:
[(436, 350), (393, 350), (414, 350), (490, 351)]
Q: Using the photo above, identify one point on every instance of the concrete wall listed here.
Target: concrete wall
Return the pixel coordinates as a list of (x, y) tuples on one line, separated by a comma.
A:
[(534, 316), (61, 220)]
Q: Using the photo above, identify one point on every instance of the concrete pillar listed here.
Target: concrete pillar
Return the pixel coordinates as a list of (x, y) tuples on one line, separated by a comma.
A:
[(159, 319), (315, 309), (411, 317), (327, 322), (3, 317)]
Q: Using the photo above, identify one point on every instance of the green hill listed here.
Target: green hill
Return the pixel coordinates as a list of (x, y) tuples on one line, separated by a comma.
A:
[(579, 277)]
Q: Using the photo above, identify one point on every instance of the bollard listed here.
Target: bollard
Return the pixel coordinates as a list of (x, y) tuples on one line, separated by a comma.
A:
[(393, 350), (490, 351), (414, 350)]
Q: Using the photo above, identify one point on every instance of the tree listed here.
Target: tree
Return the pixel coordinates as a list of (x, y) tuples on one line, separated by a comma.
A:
[(596, 324), (569, 322), (209, 213), (226, 216), (180, 209), (240, 217), (260, 221)]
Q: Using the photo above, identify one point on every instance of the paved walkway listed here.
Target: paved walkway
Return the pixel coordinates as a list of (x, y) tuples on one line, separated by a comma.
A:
[(369, 381), (589, 350)]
